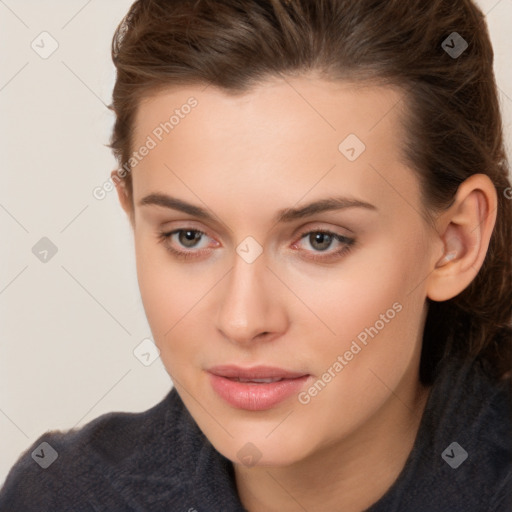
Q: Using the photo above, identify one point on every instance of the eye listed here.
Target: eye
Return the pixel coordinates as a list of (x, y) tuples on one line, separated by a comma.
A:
[(187, 238), (185, 243), (322, 240)]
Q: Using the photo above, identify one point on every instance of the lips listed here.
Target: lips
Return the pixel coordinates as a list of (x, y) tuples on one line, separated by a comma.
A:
[(255, 381), (257, 388), (257, 372)]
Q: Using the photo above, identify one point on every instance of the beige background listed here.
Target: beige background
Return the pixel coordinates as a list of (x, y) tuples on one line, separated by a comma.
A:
[(68, 327)]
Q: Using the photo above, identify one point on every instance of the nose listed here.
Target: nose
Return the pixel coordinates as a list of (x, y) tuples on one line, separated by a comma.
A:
[(251, 306)]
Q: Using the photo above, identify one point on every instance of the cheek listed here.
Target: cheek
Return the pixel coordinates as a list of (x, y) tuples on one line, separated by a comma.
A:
[(377, 318), (174, 296), (352, 295), (376, 307), (165, 289), (338, 304)]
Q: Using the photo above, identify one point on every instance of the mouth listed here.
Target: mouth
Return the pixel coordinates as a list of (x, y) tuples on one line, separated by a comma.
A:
[(255, 373), (258, 388), (255, 381)]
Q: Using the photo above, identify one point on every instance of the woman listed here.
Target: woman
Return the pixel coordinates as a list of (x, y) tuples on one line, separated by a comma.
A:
[(321, 212)]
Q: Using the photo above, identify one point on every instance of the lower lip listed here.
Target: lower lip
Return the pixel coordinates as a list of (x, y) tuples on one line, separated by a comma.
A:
[(256, 397)]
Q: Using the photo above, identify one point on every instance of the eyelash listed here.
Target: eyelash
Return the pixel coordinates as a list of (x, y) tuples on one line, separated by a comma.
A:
[(188, 255)]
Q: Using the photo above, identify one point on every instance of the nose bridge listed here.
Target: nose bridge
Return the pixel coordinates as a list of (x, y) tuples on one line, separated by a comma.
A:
[(248, 306)]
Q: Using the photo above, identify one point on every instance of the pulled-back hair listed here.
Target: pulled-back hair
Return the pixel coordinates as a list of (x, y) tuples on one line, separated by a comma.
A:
[(453, 122)]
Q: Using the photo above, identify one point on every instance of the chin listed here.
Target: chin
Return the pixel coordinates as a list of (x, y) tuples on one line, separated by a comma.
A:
[(252, 448)]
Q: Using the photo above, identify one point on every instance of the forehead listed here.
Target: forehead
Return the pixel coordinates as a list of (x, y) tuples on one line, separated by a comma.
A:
[(310, 108), (285, 139)]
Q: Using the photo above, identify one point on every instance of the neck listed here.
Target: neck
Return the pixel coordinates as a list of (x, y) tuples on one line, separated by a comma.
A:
[(351, 474)]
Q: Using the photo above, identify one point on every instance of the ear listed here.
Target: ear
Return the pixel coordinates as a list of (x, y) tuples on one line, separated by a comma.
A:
[(123, 195), (464, 231)]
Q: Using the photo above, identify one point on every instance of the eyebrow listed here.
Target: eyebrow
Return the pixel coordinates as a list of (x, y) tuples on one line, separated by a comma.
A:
[(285, 215)]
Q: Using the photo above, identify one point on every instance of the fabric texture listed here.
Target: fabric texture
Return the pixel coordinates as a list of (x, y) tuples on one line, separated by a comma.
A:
[(159, 460)]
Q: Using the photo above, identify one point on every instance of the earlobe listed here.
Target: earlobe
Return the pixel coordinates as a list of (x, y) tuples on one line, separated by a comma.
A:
[(465, 231)]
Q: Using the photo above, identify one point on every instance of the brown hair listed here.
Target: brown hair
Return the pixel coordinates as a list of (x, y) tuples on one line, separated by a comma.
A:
[(453, 122)]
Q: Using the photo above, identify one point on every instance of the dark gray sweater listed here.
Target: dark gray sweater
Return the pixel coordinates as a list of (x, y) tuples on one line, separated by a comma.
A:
[(159, 460)]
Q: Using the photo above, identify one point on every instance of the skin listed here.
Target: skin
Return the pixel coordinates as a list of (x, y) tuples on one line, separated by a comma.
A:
[(244, 158)]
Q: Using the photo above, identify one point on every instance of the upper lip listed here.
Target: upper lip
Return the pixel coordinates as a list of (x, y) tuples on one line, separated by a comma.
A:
[(255, 372)]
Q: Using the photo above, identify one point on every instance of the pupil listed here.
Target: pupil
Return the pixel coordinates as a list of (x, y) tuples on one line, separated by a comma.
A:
[(322, 237), (187, 237)]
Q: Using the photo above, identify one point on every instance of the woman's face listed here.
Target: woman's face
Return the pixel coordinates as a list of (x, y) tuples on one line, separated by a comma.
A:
[(250, 275)]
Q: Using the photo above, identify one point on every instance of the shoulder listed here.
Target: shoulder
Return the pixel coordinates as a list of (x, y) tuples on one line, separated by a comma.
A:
[(69, 470), (470, 402), (490, 429), (469, 430), (462, 456)]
